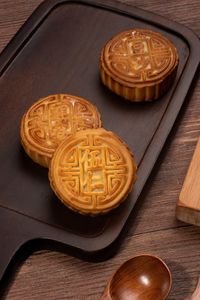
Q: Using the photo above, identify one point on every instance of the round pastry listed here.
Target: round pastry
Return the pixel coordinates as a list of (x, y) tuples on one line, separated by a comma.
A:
[(92, 171), (50, 120), (138, 64)]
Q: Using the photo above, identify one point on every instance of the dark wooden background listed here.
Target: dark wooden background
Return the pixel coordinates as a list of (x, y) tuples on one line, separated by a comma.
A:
[(155, 230)]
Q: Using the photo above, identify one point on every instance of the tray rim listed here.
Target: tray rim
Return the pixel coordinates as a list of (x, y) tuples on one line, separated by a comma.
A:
[(15, 45), (35, 20)]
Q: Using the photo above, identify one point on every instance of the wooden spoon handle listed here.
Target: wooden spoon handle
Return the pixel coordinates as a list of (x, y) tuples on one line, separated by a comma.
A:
[(196, 294), (188, 205), (105, 295)]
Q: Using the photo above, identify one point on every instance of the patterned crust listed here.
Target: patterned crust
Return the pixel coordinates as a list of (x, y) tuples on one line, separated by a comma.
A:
[(92, 171), (50, 120), (139, 64)]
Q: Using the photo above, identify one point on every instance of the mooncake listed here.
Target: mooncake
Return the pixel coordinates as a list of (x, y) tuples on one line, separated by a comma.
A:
[(50, 120), (139, 64), (92, 171)]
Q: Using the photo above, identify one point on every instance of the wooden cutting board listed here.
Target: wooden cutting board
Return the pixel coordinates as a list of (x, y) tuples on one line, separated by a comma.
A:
[(188, 205)]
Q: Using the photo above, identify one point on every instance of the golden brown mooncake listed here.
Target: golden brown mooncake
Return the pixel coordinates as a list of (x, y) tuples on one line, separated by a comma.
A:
[(138, 64), (92, 171), (50, 120)]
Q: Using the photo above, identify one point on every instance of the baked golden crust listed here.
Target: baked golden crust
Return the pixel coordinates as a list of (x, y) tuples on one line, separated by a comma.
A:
[(92, 171), (50, 120), (138, 64)]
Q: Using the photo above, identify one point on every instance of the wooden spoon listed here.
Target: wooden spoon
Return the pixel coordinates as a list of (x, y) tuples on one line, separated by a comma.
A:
[(143, 277), (196, 294)]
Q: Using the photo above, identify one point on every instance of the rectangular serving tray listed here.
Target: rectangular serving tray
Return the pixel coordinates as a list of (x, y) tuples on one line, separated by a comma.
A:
[(57, 51)]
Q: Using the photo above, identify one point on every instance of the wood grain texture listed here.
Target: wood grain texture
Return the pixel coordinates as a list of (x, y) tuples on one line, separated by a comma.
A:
[(154, 228), (188, 205)]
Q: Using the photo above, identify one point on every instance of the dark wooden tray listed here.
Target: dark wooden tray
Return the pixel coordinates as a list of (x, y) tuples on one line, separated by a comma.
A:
[(57, 51)]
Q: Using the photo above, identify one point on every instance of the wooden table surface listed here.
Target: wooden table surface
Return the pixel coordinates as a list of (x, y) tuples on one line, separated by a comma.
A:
[(52, 275)]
